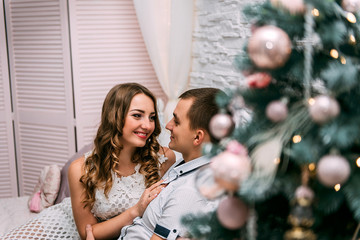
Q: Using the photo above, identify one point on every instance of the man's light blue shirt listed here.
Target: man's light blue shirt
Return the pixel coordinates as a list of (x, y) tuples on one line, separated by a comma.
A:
[(177, 199)]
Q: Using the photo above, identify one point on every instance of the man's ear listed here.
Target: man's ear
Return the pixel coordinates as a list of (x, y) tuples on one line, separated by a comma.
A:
[(199, 137)]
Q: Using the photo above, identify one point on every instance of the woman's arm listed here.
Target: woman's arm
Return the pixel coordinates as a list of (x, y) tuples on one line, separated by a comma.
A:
[(171, 159), (83, 216)]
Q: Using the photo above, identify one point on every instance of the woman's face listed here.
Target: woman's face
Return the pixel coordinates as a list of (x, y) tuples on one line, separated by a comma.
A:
[(139, 121)]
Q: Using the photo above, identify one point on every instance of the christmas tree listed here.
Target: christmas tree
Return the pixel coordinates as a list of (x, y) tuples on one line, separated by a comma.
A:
[(293, 170)]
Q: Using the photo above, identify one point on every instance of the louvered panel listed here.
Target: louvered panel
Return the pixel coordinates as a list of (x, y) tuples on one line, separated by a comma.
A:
[(108, 49), (8, 186), (89, 133), (39, 149), (2, 87), (40, 71), (8, 180), (2, 97), (38, 17)]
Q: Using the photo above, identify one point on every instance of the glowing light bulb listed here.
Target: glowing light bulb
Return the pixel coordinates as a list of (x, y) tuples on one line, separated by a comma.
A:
[(315, 12), (352, 39), (351, 17), (358, 162), (343, 60), (296, 139), (311, 101), (337, 187), (277, 161), (312, 166), (334, 53)]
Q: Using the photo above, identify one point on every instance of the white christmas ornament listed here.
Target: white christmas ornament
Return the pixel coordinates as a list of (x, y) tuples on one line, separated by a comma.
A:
[(232, 213), (276, 111), (323, 108), (221, 125), (332, 170)]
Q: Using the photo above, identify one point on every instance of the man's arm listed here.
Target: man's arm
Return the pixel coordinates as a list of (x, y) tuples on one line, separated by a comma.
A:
[(156, 237), (184, 200), (89, 233)]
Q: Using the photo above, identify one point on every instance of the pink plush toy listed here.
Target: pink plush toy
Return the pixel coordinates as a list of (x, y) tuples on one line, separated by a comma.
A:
[(46, 190)]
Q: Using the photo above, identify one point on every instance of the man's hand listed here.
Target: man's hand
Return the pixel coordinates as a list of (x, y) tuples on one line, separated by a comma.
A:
[(89, 233)]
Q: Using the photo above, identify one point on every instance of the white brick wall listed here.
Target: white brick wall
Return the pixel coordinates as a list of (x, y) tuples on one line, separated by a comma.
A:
[(219, 33)]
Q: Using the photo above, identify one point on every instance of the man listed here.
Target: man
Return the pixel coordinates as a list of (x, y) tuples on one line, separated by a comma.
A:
[(189, 130)]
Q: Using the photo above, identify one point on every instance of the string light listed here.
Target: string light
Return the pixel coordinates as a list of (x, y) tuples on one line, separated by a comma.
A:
[(343, 60), (296, 139), (337, 187), (334, 53), (358, 162), (312, 167), (315, 12), (277, 161), (351, 17), (311, 101), (352, 39)]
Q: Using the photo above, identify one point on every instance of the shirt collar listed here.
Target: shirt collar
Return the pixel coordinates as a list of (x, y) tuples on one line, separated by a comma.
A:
[(183, 168)]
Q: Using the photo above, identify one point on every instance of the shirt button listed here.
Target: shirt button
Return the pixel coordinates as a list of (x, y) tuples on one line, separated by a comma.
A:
[(174, 231), (181, 171)]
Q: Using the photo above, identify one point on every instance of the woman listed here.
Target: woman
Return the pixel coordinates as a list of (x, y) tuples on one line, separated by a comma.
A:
[(114, 183)]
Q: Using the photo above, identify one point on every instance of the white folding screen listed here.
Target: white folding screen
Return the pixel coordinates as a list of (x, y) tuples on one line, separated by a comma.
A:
[(107, 49), (8, 181), (63, 58), (40, 72)]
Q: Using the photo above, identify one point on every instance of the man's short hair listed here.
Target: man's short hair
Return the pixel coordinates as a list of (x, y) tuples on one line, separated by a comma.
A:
[(203, 108)]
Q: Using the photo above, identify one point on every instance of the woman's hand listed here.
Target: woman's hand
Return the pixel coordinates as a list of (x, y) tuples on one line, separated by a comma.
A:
[(112, 227), (148, 195)]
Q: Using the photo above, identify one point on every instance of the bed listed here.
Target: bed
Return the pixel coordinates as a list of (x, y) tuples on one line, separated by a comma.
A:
[(15, 211)]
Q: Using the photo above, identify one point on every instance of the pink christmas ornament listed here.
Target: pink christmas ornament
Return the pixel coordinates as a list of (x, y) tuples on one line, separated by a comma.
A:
[(332, 170), (277, 111), (323, 109), (221, 125), (230, 169), (236, 148), (304, 192), (351, 5), (259, 80), (269, 47), (293, 6), (206, 184), (232, 213)]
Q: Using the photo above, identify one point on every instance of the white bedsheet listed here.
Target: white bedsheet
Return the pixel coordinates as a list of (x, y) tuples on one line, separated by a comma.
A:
[(13, 212)]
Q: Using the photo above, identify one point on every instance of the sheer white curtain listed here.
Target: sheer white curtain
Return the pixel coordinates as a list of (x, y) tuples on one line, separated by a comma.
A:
[(167, 26)]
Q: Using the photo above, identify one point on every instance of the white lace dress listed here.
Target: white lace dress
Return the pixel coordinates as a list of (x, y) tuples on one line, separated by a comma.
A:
[(57, 222)]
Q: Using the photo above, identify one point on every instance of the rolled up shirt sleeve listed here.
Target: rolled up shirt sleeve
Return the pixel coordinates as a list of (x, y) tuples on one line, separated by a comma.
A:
[(184, 200)]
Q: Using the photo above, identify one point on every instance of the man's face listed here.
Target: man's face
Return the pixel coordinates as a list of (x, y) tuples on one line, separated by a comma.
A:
[(182, 137)]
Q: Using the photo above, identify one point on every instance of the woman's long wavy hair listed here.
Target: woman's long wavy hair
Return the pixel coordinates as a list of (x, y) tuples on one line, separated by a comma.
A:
[(107, 145)]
